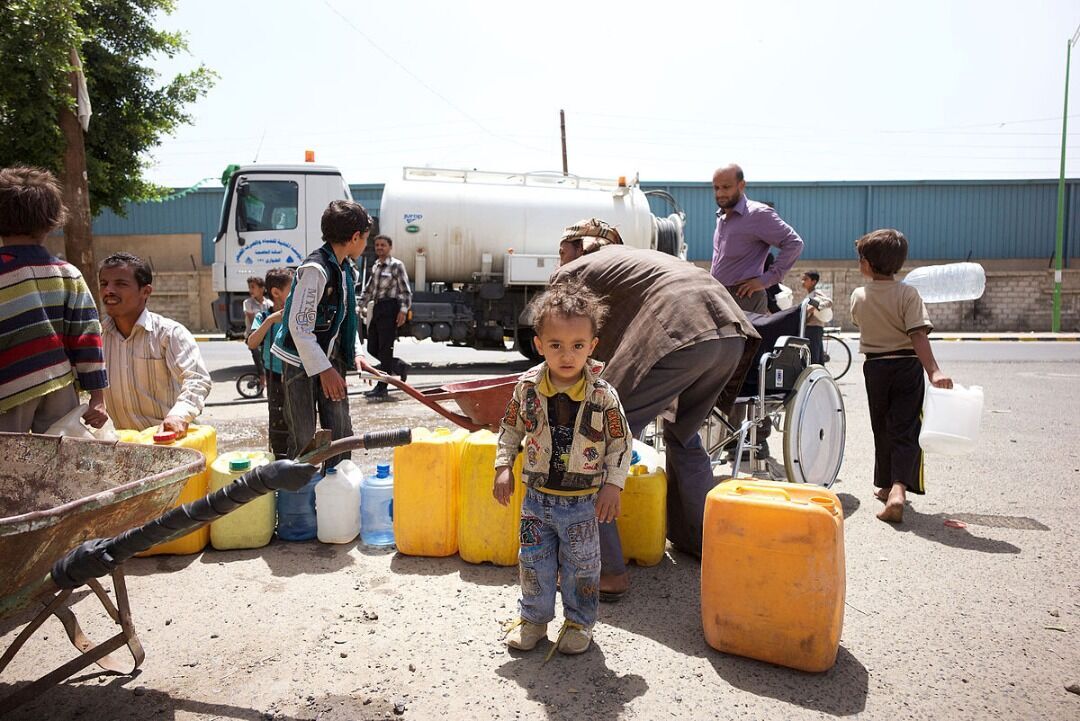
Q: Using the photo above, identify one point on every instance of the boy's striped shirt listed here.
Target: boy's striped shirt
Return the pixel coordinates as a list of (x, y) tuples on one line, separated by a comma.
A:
[(49, 329)]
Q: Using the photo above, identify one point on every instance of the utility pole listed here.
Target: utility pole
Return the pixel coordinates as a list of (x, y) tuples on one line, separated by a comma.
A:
[(562, 127), (78, 241), (1059, 243)]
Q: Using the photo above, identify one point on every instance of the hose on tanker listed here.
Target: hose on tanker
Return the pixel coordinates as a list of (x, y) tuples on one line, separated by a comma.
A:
[(669, 230), (668, 235)]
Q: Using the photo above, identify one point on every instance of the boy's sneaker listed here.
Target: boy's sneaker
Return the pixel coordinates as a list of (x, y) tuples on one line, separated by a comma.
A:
[(574, 638), (524, 635)]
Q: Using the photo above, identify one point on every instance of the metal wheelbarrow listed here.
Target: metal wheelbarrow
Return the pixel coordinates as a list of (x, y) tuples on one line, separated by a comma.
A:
[(56, 493), (483, 402)]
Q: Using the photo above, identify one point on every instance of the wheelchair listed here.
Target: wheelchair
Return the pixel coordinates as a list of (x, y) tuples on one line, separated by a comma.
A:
[(802, 401)]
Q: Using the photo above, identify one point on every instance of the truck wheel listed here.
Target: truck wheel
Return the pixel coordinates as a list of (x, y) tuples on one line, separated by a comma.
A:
[(525, 344)]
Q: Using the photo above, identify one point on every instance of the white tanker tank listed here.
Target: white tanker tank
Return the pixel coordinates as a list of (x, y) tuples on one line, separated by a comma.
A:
[(478, 244)]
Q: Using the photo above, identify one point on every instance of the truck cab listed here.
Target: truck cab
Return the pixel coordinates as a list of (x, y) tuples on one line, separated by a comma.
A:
[(267, 222)]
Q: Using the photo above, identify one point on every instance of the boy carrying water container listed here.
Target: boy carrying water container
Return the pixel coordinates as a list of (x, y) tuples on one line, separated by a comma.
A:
[(894, 338), (576, 457)]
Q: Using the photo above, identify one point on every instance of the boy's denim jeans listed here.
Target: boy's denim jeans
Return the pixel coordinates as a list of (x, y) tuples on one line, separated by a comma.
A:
[(305, 404), (559, 539)]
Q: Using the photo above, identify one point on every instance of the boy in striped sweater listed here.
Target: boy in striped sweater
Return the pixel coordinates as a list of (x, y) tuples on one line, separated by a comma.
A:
[(49, 330)]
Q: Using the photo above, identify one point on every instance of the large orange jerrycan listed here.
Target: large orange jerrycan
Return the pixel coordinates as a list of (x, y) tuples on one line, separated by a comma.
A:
[(772, 572), (426, 492), (487, 530), (201, 438)]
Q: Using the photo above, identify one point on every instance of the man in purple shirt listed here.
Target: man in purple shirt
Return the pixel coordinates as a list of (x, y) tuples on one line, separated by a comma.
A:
[(745, 231)]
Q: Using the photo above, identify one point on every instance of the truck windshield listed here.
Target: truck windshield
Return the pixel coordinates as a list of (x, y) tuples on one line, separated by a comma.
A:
[(267, 205)]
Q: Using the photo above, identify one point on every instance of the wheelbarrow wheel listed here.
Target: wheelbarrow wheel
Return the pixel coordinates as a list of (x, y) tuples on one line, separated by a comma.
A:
[(525, 344)]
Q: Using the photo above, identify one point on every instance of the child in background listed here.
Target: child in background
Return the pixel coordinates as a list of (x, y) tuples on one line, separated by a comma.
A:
[(815, 316), (263, 330), (577, 455), (50, 335), (255, 303), (894, 338)]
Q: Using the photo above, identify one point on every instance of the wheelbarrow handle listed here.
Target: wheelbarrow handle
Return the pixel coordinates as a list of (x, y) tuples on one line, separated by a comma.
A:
[(99, 556), (424, 398)]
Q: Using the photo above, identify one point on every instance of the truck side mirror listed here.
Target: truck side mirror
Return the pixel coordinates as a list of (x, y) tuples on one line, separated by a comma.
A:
[(242, 191)]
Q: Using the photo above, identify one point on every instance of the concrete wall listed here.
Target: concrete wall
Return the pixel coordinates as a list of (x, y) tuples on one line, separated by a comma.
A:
[(1014, 301), (183, 286)]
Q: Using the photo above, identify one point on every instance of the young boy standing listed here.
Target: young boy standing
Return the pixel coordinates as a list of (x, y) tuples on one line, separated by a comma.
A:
[(255, 303), (894, 338), (818, 313), (263, 330), (576, 457), (318, 340), (50, 335)]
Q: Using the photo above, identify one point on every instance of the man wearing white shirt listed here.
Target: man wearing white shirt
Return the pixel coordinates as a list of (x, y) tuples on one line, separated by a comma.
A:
[(157, 374)]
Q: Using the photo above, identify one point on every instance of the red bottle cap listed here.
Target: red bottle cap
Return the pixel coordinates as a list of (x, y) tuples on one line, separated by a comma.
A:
[(165, 437)]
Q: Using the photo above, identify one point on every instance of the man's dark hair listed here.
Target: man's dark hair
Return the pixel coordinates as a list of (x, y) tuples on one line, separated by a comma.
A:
[(884, 249), (30, 202), (387, 238), (280, 278), (342, 219), (813, 275), (143, 274)]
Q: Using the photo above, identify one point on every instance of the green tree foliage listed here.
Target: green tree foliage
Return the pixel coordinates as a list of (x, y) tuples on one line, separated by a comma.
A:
[(133, 111)]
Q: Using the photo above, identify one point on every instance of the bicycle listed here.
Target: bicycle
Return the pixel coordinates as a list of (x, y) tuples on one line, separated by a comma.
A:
[(250, 385), (836, 354)]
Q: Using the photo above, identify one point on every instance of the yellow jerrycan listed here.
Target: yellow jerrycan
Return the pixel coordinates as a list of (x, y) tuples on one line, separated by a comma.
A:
[(426, 492), (251, 525), (487, 531), (642, 520), (772, 572), (201, 438)]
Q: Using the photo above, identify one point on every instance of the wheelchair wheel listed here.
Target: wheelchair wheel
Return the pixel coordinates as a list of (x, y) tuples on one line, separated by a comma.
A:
[(837, 356), (249, 385), (815, 426)]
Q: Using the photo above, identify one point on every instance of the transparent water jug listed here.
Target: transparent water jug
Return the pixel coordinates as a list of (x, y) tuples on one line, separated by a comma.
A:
[(337, 507), (376, 508), (296, 517), (950, 423), (949, 282)]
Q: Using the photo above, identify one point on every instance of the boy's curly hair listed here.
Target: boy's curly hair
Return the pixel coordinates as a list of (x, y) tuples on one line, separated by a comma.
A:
[(568, 299), (884, 249)]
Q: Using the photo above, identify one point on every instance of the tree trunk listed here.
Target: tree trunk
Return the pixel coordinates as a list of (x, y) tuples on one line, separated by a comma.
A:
[(78, 240)]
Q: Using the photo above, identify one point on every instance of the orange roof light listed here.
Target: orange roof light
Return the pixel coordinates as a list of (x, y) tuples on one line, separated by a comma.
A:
[(622, 181), (309, 156)]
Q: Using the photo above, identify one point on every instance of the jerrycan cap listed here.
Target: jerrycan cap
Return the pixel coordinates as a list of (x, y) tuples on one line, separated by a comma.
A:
[(331, 471), (382, 470), (239, 464), (635, 457), (164, 436)]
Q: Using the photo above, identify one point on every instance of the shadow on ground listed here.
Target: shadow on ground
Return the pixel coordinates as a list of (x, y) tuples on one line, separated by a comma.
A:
[(572, 687), (121, 697), (664, 604)]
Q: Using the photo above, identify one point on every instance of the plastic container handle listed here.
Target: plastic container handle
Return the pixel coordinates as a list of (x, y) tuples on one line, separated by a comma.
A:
[(743, 490)]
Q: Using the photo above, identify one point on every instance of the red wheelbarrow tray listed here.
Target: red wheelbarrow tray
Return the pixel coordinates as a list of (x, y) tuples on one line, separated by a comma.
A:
[(57, 492), (483, 402)]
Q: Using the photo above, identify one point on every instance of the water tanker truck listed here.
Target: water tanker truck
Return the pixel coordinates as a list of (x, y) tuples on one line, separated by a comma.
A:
[(477, 244)]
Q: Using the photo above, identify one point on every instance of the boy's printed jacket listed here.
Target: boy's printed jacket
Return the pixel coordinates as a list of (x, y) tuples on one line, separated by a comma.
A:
[(600, 452)]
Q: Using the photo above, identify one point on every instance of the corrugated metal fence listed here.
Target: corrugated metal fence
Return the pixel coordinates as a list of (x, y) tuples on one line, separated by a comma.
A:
[(944, 220)]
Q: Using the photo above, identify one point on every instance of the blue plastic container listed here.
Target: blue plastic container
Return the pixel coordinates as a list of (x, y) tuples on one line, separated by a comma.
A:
[(377, 508), (296, 519)]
